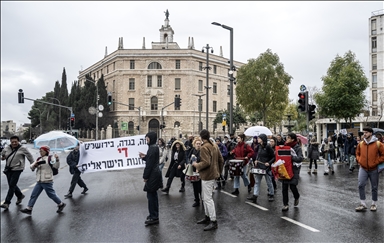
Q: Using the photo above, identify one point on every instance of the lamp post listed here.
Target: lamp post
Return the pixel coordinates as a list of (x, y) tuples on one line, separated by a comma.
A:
[(207, 68), (59, 111), (231, 79), (97, 107), (200, 108)]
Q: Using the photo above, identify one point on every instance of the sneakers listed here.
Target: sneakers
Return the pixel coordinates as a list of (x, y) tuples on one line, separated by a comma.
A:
[(182, 189), (373, 208), (309, 171), (151, 221), (26, 211), (61, 207), (196, 204), (361, 208), (314, 171), (165, 190), (85, 190), (235, 192), (211, 226), (271, 198), (296, 202), (285, 208), (5, 206), (68, 195), (205, 220), (19, 199)]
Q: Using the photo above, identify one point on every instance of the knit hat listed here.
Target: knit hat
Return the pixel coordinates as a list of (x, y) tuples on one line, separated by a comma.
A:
[(45, 148)]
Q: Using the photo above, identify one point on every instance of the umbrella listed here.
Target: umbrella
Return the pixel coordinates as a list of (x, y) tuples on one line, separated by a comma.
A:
[(375, 130), (56, 140), (257, 130), (304, 140)]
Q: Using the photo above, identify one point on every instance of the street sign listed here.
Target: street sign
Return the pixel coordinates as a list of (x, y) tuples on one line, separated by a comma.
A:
[(92, 110), (303, 88), (124, 126), (101, 107), (100, 114)]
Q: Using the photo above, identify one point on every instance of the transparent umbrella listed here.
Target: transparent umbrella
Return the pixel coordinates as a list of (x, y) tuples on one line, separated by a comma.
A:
[(257, 130), (56, 140)]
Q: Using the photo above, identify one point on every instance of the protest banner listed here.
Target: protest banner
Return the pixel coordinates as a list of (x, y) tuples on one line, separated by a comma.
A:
[(112, 154)]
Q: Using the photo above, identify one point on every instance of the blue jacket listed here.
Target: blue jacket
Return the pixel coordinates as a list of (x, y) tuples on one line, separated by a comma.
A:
[(223, 150)]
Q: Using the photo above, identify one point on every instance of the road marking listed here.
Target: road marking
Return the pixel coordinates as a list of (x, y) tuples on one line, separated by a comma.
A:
[(229, 194), (257, 206), (32, 185), (24, 190), (301, 224)]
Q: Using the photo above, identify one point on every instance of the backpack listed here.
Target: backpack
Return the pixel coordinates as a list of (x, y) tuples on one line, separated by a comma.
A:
[(54, 170)]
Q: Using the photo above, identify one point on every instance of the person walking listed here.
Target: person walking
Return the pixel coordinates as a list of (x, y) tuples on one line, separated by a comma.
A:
[(272, 143), (369, 153), (73, 161), (176, 166), (313, 154), (44, 178), (163, 152), (14, 156), (255, 148), (297, 159), (350, 151), (265, 158), (210, 165), (242, 151), (230, 145), (328, 150), (152, 177), (224, 153), (194, 155)]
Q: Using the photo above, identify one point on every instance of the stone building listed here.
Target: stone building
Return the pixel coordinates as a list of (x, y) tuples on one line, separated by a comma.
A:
[(7, 128), (144, 82)]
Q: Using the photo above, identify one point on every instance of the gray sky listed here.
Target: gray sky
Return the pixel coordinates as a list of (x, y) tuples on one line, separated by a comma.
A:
[(38, 39)]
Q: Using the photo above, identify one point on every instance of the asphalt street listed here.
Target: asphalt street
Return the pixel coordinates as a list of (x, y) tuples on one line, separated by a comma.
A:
[(115, 208)]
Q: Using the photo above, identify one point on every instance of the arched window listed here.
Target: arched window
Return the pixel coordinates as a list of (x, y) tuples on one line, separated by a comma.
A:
[(176, 124), (130, 127), (154, 103), (154, 65)]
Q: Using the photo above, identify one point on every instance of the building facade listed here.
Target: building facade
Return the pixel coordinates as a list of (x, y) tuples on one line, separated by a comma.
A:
[(7, 128), (376, 62), (144, 82)]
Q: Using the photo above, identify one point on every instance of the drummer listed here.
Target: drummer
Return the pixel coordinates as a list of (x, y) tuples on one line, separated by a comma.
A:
[(265, 157), (244, 152), (195, 151)]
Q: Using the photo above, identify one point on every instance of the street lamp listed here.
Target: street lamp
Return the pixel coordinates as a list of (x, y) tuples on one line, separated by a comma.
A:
[(59, 111), (97, 107), (231, 79), (200, 108), (207, 68)]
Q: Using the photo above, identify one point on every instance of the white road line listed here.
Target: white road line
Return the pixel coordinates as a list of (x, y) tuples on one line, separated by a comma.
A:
[(229, 194), (32, 185), (24, 190), (257, 206), (301, 224)]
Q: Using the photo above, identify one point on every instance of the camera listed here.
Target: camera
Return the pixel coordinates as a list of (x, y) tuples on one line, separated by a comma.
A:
[(41, 162)]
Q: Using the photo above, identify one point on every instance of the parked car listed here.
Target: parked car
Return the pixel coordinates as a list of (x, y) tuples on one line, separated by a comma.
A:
[(23, 142)]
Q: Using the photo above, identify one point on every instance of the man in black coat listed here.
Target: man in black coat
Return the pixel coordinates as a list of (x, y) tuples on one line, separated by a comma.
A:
[(73, 161), (152, 177)]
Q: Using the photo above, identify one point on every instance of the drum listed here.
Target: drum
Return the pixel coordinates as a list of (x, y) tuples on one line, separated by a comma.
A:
[(194, 177), (258, 171), (236, 167)]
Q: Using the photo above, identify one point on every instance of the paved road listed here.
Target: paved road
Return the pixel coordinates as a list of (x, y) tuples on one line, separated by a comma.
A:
[(115, 209)]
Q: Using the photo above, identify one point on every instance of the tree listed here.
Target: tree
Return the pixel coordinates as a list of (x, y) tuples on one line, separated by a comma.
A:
[(262, 86), (238, 117), (342, 95), (63, 97)]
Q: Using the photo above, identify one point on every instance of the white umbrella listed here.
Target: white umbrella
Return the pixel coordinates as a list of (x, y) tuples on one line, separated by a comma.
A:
[(257, 130), (56, 140)]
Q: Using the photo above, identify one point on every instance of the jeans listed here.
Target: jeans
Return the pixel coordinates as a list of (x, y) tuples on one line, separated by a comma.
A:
[(13, 178), (153, 205), (258, 178), (310, 163), (209, 205), (76, 179), (373, 176), (330, 162), (351, 159), (236, 183), (197, 190), (294, 190), (39, 187)]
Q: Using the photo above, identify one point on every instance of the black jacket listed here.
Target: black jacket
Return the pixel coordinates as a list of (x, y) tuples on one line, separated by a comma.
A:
[(181, 158), (73, 161), (151, 171), (265, 154)]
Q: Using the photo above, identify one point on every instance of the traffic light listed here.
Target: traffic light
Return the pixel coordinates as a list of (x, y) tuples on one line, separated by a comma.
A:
[(303, 101), (72, 121), (177, 102), (162, 126), (138, 128), (21, 96), (109, 99), (68, 123), (311, 112)]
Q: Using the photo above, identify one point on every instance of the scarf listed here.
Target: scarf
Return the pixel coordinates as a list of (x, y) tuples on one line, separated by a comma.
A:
[(291, 144)]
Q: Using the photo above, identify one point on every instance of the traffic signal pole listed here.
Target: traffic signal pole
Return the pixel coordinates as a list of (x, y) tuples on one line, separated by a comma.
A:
[(162, 117)]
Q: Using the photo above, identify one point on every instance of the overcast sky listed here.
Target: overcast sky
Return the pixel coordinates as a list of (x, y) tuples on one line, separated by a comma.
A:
[(39, 39)]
